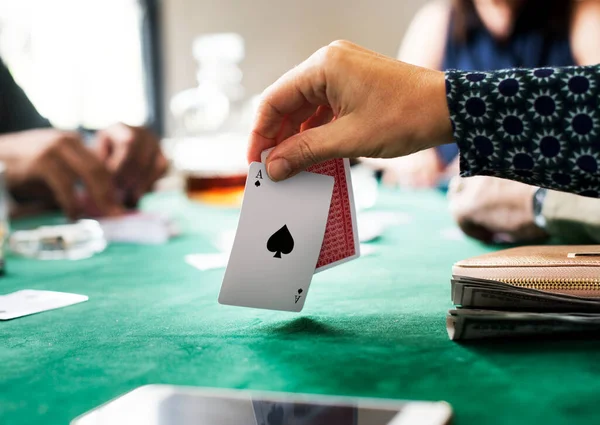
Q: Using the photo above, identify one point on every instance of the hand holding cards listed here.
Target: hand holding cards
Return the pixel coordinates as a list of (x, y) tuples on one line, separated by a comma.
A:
[(280, 237)]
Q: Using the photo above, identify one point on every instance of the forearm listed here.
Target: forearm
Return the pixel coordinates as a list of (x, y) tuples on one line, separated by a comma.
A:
[(541, 127)]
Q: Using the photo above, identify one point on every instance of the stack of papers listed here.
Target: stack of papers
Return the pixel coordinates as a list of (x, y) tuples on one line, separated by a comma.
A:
[(489, 309)]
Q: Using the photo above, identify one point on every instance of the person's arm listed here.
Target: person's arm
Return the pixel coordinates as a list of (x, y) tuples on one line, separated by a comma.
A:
[(585, 32), (17, 113), (540, 126), (425, 40)]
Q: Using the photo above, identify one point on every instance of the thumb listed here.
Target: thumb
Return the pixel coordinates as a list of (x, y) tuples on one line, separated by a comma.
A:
[(333, 140)]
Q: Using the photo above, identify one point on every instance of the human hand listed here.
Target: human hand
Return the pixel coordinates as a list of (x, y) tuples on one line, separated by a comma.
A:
[(56, 162), (133, 156), (347, 101), (494, 210)]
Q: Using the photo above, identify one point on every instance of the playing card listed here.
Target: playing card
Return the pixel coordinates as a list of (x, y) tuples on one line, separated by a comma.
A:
[(138, 227), (30, 301), (278, 240), (210, 261), (341, 242)]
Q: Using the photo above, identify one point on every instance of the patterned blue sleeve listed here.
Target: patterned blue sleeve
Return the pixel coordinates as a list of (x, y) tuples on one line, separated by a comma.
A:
[(538, 126)]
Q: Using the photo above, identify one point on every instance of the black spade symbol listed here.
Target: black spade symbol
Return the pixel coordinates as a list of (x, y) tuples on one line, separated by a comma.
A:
[(257, 183), (300, 290), (281, 242)]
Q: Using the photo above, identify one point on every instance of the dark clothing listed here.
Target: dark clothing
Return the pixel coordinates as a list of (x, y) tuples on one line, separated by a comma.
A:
[(17, 113), (526, 48), (538, 126)]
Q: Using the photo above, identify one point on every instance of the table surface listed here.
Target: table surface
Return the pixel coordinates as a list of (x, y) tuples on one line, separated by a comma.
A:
[(373, 327)]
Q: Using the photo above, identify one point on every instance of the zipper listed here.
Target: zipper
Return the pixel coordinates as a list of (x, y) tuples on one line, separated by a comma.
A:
[(557, 284)]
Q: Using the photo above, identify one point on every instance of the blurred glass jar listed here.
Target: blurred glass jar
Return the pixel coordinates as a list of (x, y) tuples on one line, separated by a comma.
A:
[(212, 122)]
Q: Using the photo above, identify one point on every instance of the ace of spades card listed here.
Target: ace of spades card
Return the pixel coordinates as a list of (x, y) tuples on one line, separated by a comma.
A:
[(278, 240)]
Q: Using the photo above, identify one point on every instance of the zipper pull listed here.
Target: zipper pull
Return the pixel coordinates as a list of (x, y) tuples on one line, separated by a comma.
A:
[(583, 254)]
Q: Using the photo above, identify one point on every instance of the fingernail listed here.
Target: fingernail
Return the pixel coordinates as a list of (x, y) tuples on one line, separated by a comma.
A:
[(279, 169)]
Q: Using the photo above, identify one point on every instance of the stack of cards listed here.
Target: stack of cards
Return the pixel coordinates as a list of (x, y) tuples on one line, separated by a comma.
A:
[(288, 231)]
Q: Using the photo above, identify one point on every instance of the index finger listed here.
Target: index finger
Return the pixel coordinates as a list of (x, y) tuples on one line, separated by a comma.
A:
[(303, 84)]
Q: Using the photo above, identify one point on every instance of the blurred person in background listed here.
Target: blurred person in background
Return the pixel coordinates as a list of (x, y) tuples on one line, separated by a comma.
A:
[(499, 34), (486, 35), (47, 167)]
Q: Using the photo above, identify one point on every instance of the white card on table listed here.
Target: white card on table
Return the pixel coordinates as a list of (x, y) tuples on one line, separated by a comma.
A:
[(278, 240), (31, 301), (210, 261)]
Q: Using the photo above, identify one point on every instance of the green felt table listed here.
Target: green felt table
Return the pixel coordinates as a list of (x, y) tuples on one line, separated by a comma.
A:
[(373, 327)]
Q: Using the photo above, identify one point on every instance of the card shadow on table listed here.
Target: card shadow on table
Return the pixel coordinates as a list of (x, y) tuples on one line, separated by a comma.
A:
[(367, 354), (306, 326), (423, 333), (382, 328)]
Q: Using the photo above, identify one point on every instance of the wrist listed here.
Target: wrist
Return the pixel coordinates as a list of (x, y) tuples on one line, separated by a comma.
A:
[(437, 128)]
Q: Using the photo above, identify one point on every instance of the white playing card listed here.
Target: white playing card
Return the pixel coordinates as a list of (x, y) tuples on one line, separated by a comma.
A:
[(278, 240), (210, 261), (138, 227), (31, 301)]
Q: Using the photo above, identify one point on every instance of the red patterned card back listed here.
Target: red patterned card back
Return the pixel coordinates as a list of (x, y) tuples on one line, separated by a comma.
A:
[(339, 242)]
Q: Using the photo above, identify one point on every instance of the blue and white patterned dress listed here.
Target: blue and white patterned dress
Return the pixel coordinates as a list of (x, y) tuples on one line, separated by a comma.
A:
[(538, 126)]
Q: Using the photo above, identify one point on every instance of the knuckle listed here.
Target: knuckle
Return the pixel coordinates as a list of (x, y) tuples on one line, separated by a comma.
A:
[(335, 54), (124, 134), (328, 55), (306, 151), (54, 147), (340, 43), (129, 137), (264, 102), (66, 138), (321, 53), (50, 150), (332, 54)]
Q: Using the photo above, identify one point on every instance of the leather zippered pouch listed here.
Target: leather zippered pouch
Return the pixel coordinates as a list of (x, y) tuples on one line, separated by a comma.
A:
[(560, 269)]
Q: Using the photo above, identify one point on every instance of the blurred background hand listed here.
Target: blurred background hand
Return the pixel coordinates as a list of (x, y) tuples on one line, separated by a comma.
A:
[(54, 167), (133, 156), (494, 210)]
